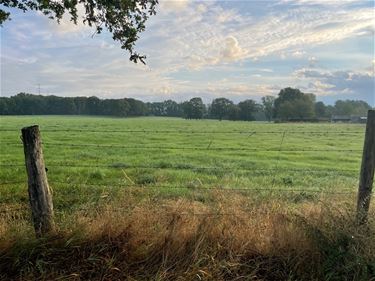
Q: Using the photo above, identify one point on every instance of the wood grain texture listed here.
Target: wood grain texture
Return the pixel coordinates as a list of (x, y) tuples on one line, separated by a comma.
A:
[(40, 194), (367, 170)]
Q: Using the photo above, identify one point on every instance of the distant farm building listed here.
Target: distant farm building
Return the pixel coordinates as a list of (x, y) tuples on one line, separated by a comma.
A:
[(358, 119), (348, 119)]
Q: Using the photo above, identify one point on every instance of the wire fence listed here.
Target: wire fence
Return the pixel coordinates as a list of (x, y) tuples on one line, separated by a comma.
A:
[(183, 167), (193, 188), (191, 148), (245, 132), (209, 147)]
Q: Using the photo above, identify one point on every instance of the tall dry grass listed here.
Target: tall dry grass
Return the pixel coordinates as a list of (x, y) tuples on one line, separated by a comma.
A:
[(230, 238)]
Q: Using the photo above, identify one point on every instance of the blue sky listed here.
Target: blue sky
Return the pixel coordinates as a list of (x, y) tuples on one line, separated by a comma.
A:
[(233, 49)]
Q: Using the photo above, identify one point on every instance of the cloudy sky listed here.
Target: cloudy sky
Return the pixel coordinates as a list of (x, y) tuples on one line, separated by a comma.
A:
[(233, 49)]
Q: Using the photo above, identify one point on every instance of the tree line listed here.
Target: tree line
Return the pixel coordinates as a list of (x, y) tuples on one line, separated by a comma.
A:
[(290, 105)]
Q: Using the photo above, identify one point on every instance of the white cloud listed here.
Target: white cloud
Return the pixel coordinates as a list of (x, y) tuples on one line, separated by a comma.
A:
[(334, 3), (360, 84), (298, 54), (227, 16), (301, 29), (312, 61), (173, 5), (20, 60), (189, 43), (266, 70), (232, 50), (319, 88), (201, 8), (67, 27), (198, 37)]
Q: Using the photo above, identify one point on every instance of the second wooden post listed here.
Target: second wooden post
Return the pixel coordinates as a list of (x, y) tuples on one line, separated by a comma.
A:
[(367, 170)]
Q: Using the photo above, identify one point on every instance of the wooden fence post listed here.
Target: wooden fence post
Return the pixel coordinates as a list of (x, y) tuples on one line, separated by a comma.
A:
[(39, 192), (367, 170)]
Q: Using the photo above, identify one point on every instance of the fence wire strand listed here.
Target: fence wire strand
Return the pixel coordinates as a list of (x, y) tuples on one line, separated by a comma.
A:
[(193, 148), (193, 188), (245, 132), (193, 168)]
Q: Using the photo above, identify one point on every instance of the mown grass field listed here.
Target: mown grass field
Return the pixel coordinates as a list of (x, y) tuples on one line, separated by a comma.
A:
[(137, 176), (181, 153)]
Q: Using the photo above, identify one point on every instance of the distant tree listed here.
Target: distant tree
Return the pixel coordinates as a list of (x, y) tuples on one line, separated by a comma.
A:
[(136, 107), (220, 108), (156, 108), (288, 94), (320, 109), (5, 106), (248, 109), (125, 19), (166, 108), (312, 97), (329, 111), (302, 106), (194, 109), (81, 105), (58, 105), (234, 112), (293, 104), (27, 104), (351, 107), (172, 108), (67, 106), (268, 106), (187, 109), (120, 108), (285, 110), (93, 106), (115, 107), (260, 115)]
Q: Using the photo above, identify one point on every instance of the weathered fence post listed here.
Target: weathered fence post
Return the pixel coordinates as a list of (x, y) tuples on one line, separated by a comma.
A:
[(367, 170), (39, 192)]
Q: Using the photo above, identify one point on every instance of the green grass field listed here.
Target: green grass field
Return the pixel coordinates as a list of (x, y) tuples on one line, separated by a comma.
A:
[(174, 199), (175, 156)]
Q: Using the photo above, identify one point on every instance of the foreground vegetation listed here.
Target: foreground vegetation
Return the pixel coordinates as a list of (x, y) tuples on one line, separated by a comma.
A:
[(170, 199), (237, 238)]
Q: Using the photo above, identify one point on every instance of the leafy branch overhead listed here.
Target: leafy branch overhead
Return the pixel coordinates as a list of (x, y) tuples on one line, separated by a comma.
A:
[(124, 19)]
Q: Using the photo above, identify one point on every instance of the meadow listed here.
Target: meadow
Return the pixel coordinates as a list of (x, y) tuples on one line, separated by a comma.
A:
[(287, 189)]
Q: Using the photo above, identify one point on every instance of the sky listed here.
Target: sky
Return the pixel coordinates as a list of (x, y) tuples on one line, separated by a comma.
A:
[(234, 49)]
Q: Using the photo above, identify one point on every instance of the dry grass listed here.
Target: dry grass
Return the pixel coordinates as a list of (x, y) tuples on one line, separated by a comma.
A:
[(151, 239)]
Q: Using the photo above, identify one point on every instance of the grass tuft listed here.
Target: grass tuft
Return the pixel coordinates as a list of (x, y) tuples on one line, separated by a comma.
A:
[(229, 238)]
